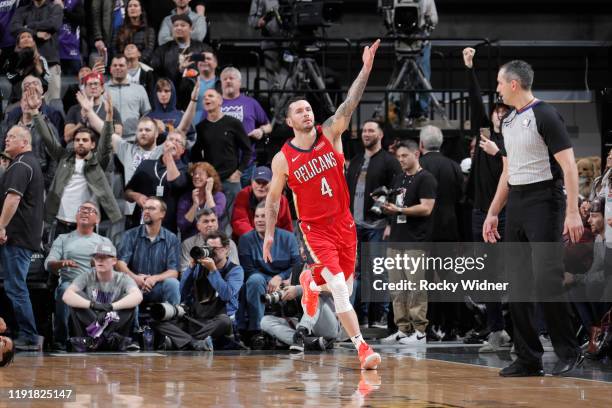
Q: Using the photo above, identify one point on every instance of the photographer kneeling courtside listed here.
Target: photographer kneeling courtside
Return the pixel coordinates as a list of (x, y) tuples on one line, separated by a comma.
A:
[(209, 296), (316, 333), (102, 304)]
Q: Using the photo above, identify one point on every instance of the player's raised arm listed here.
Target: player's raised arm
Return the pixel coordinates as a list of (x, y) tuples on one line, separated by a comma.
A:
[(337, 124), (277, 184)]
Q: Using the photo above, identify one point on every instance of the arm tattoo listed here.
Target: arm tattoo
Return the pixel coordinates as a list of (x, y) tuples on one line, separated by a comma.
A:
[(354, 95)]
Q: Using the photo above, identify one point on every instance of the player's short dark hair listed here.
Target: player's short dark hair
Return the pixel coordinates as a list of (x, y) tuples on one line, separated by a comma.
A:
[(261, 204), (408, 144), (293, 99), (219, 234), (519, 71)]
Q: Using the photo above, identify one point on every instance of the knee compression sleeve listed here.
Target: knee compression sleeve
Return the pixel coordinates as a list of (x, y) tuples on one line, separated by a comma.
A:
[(339, 290), (349, 284)]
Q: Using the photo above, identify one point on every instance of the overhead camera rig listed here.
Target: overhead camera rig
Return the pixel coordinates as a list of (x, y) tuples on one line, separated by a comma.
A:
[(401, 16), (403, 20), (299, 19)]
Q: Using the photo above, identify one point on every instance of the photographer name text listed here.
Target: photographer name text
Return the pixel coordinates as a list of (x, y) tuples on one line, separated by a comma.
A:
[(444, 286)]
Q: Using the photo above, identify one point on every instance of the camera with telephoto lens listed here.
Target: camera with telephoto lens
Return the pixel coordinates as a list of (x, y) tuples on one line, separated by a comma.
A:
[(382, 195), (272, 298), (165, 311), (200, 252)]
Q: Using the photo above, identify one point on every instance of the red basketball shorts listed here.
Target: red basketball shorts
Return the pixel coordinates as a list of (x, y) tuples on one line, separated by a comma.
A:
[(331, 245)]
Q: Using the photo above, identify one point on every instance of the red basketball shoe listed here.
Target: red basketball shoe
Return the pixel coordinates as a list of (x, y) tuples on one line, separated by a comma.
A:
[(368, 358), (310, 298)]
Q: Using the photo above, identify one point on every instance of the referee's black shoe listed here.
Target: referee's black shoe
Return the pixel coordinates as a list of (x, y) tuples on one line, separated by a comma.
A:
[(563, 366), (518, 369)]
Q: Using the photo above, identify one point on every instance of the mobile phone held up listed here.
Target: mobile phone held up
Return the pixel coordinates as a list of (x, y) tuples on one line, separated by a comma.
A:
[(485, 133), (197, 57)]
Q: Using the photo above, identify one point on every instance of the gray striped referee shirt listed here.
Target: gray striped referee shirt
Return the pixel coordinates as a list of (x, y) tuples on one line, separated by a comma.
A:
[(532, 136)]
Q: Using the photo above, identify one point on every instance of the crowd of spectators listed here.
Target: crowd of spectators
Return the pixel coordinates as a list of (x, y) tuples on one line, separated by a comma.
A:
[(146, 155), (151, 156)]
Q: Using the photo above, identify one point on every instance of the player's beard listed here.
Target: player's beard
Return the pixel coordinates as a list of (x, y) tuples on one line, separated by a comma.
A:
[(306, 128)]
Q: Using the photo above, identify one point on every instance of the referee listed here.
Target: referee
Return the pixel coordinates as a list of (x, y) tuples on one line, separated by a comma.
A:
[(537, 160)]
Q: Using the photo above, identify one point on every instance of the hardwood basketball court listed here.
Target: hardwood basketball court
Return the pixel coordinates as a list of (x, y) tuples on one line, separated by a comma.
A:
[(434, 377)]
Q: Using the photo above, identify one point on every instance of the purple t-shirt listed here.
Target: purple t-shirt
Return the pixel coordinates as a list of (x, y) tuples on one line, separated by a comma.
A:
[(248, 111), (7, 9), (70, 36), (188, 229)]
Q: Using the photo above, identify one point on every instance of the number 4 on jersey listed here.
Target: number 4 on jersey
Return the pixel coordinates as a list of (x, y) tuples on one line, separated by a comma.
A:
[(325, 189)]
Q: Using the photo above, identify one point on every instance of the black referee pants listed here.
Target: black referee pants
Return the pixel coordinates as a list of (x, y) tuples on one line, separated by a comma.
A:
[(535, 214)]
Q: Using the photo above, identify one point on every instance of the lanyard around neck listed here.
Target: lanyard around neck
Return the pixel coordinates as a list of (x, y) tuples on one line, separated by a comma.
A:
[(161, 179)]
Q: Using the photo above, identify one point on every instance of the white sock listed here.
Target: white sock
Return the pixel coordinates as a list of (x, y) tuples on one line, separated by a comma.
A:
[(357, 340)]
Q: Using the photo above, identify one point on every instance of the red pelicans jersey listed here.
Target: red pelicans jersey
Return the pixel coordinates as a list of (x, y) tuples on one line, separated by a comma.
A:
[(316, 177)]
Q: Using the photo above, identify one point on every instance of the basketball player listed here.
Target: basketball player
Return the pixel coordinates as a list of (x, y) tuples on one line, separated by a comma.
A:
[(312, 164)]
